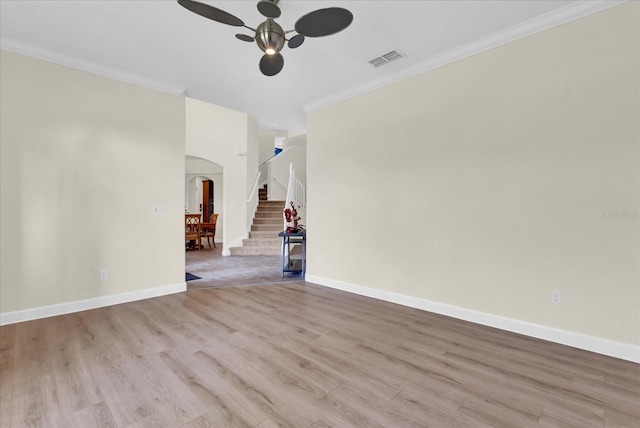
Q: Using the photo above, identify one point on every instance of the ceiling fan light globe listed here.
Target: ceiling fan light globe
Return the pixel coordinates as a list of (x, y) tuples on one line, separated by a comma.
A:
[(270, 37)]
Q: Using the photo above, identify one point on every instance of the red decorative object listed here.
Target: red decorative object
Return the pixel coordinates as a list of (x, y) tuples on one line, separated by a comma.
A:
[(291, 218)]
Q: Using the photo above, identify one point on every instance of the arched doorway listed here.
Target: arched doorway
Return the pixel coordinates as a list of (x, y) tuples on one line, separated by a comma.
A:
[(204, 190)]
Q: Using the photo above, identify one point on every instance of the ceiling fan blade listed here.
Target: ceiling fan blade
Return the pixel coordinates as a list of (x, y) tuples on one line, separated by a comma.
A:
[(211, 12), (269, 8), (245, 38), (296, 41), (270, 65), (324, 22)]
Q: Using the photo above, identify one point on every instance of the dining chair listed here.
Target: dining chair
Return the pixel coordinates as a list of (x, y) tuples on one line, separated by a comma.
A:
[(209, 230), (193, 229)]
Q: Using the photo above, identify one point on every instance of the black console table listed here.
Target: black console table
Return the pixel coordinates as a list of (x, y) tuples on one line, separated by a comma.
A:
[(294, 253)]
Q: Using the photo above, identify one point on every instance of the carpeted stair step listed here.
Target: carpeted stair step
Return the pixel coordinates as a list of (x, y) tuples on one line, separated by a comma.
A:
[(269, 211), (263, 237), (276, 227), (255, 250), (265, 234), (262, 242), (269, 214), (269, 220), (272, 204)]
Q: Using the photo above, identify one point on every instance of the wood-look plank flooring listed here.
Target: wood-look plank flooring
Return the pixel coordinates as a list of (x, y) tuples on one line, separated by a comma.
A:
[(298, 355)]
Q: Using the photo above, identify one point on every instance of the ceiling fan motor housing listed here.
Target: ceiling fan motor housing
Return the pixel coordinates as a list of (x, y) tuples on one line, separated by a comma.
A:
[(270, 37)]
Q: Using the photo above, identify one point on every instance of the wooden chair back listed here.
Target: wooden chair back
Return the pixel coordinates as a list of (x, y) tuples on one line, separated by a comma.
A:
[(213, 220), (209, 231), (193, 228)]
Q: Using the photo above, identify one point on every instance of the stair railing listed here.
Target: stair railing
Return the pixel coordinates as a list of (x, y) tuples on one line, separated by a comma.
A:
[(296, 191)]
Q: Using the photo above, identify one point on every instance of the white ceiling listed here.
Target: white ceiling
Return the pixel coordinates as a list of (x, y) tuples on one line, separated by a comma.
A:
[(160, 44)]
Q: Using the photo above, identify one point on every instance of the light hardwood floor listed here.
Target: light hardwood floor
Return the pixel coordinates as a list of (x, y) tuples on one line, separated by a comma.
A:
[(298, 355)]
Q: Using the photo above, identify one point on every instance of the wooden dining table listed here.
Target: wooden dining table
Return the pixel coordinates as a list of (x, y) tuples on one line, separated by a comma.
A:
[(204, 227)]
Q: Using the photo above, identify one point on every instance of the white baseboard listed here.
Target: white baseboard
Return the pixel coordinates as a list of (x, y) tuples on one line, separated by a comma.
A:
[(93, 303), (611, 348)]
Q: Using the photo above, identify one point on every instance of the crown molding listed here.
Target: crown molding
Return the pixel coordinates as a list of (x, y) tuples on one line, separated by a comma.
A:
[(89, 66), (541, 23)]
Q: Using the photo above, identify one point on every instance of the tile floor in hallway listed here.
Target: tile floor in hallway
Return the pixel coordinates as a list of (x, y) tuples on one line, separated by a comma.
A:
[(218, 271)]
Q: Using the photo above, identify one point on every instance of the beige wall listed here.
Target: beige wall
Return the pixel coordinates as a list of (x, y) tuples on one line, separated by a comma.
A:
[(84, 159), (253, 181), (300, 164), (253, 147), (267, 139), (485, 184), (267, 143), (225, 137)]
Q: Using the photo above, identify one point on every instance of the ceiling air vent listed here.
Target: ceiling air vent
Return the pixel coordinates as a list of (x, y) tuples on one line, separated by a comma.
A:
[(386, 58)]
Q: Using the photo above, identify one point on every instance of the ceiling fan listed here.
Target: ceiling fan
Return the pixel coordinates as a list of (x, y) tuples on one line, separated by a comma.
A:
[(270, 36)]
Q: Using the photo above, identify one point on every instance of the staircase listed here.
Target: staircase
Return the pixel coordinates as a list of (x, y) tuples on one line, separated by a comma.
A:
[(263, 237)]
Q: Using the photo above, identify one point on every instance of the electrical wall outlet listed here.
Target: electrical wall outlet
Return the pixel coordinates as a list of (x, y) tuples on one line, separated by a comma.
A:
[(556, 297), (103, 274)]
